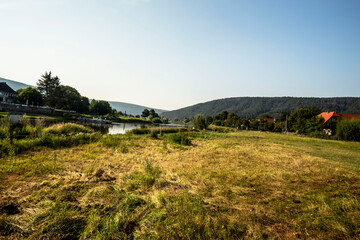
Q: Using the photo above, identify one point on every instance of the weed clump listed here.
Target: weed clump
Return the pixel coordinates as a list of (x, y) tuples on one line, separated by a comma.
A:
[(180, 139), (61, 221), (68, 129), (154, 134), (113, 141), (145, 180), (13, 147)]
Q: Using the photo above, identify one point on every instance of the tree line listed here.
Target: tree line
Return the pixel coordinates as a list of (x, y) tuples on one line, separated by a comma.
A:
[(252, 107), (302, 121), (50, 92)]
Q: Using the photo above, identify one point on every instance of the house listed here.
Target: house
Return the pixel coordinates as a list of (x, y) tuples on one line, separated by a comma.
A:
[(7, 94), (327, 116), (267, 119)]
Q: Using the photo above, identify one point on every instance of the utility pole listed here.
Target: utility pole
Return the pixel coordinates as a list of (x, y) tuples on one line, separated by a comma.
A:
[(286, 123)]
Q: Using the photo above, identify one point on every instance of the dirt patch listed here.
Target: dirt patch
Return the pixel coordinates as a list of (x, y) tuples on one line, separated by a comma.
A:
[(9, 208), (101, 176)]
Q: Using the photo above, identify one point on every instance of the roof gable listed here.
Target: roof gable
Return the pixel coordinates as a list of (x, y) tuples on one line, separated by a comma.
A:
[(333, 115), (5, 88)]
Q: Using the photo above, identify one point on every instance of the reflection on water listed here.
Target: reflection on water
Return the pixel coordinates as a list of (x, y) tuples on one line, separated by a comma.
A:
[(118, 128), (122, 128)]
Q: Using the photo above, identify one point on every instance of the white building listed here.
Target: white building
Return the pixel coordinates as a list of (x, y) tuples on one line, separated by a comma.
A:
[(7, 94)]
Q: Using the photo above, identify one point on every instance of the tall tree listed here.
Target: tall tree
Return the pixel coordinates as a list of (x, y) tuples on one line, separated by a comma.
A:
[(50, 88)]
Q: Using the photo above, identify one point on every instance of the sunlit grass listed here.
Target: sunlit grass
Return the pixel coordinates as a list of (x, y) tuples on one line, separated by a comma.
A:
[(223, 186)]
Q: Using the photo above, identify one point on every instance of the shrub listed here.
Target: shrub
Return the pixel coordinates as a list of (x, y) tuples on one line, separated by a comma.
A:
[(154, 134), (180, 139), (4, 127), (319, 134), (18, 146), (348, 130), (139, 131), (68, 129)]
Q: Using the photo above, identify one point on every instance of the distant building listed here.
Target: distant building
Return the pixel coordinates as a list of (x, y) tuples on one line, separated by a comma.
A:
[(267, 119), (327, 116), (7, 94)]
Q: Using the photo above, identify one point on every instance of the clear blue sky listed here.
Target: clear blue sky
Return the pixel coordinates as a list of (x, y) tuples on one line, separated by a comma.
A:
[(174, 53)]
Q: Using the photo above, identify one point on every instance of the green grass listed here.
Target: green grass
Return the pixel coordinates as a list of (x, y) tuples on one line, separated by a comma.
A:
[(239, 185)]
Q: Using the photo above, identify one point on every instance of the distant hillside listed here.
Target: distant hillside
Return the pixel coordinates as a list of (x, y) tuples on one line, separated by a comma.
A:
[(14, 84), (252, 107), (129, 108), (132, 109)]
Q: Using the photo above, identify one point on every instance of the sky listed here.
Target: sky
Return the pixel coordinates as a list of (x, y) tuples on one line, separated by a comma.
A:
[(170, 54)]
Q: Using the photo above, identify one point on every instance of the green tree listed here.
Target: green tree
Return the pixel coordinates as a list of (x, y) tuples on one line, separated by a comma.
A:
[(153, 113), (31, 96), (49, 87), (264, 115), (100, 107), (145, 113), (304, 120), (199, 122), (348, 130)]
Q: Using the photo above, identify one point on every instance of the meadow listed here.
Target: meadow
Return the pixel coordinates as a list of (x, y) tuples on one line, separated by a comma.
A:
[(188, 185)]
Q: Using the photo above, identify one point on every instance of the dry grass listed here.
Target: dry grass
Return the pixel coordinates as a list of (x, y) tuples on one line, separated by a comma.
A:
[(224, 186)]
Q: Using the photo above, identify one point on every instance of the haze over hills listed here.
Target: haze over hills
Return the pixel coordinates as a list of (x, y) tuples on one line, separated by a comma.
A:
[(252, 107), (129, 108)]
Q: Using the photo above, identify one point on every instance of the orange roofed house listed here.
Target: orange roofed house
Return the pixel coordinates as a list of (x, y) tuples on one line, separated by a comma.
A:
[(335, 116)]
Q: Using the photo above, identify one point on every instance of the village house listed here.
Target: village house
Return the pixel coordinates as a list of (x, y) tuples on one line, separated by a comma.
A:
[(7, 94), (327, 116)]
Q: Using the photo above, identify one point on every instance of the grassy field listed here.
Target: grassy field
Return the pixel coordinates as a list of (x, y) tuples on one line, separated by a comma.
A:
[(251, 185)]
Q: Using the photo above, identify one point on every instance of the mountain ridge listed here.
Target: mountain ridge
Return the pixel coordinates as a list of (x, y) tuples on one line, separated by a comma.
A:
[(252, 107)]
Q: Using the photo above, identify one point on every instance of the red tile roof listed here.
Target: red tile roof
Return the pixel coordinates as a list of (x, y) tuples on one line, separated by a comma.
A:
[(334, 115)]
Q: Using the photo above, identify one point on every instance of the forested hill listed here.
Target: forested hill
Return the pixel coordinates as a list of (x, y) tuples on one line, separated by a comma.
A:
[(252, 107)]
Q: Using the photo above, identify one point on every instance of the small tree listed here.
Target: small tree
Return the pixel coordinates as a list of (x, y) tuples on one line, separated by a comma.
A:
[(199, 122), (153, 113), (100, 107), (145, 113), (31, 96)]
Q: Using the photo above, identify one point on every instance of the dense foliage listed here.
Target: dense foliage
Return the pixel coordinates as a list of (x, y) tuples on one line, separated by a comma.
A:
[(305, 120), (31, 96), (100, 107), (49, 87), (199, 122), (72, 100), (252, 107), (152, 116), (348, 130)]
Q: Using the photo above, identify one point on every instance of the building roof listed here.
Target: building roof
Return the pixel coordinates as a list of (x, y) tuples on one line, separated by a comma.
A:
[(5, 88), (333, 115)]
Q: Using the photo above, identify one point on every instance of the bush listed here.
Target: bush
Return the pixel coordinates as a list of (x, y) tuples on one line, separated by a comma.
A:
[(180, 139), (319, 134), (139, 131), (68, 129), (348, 130), (154, 134), (18, 146)]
